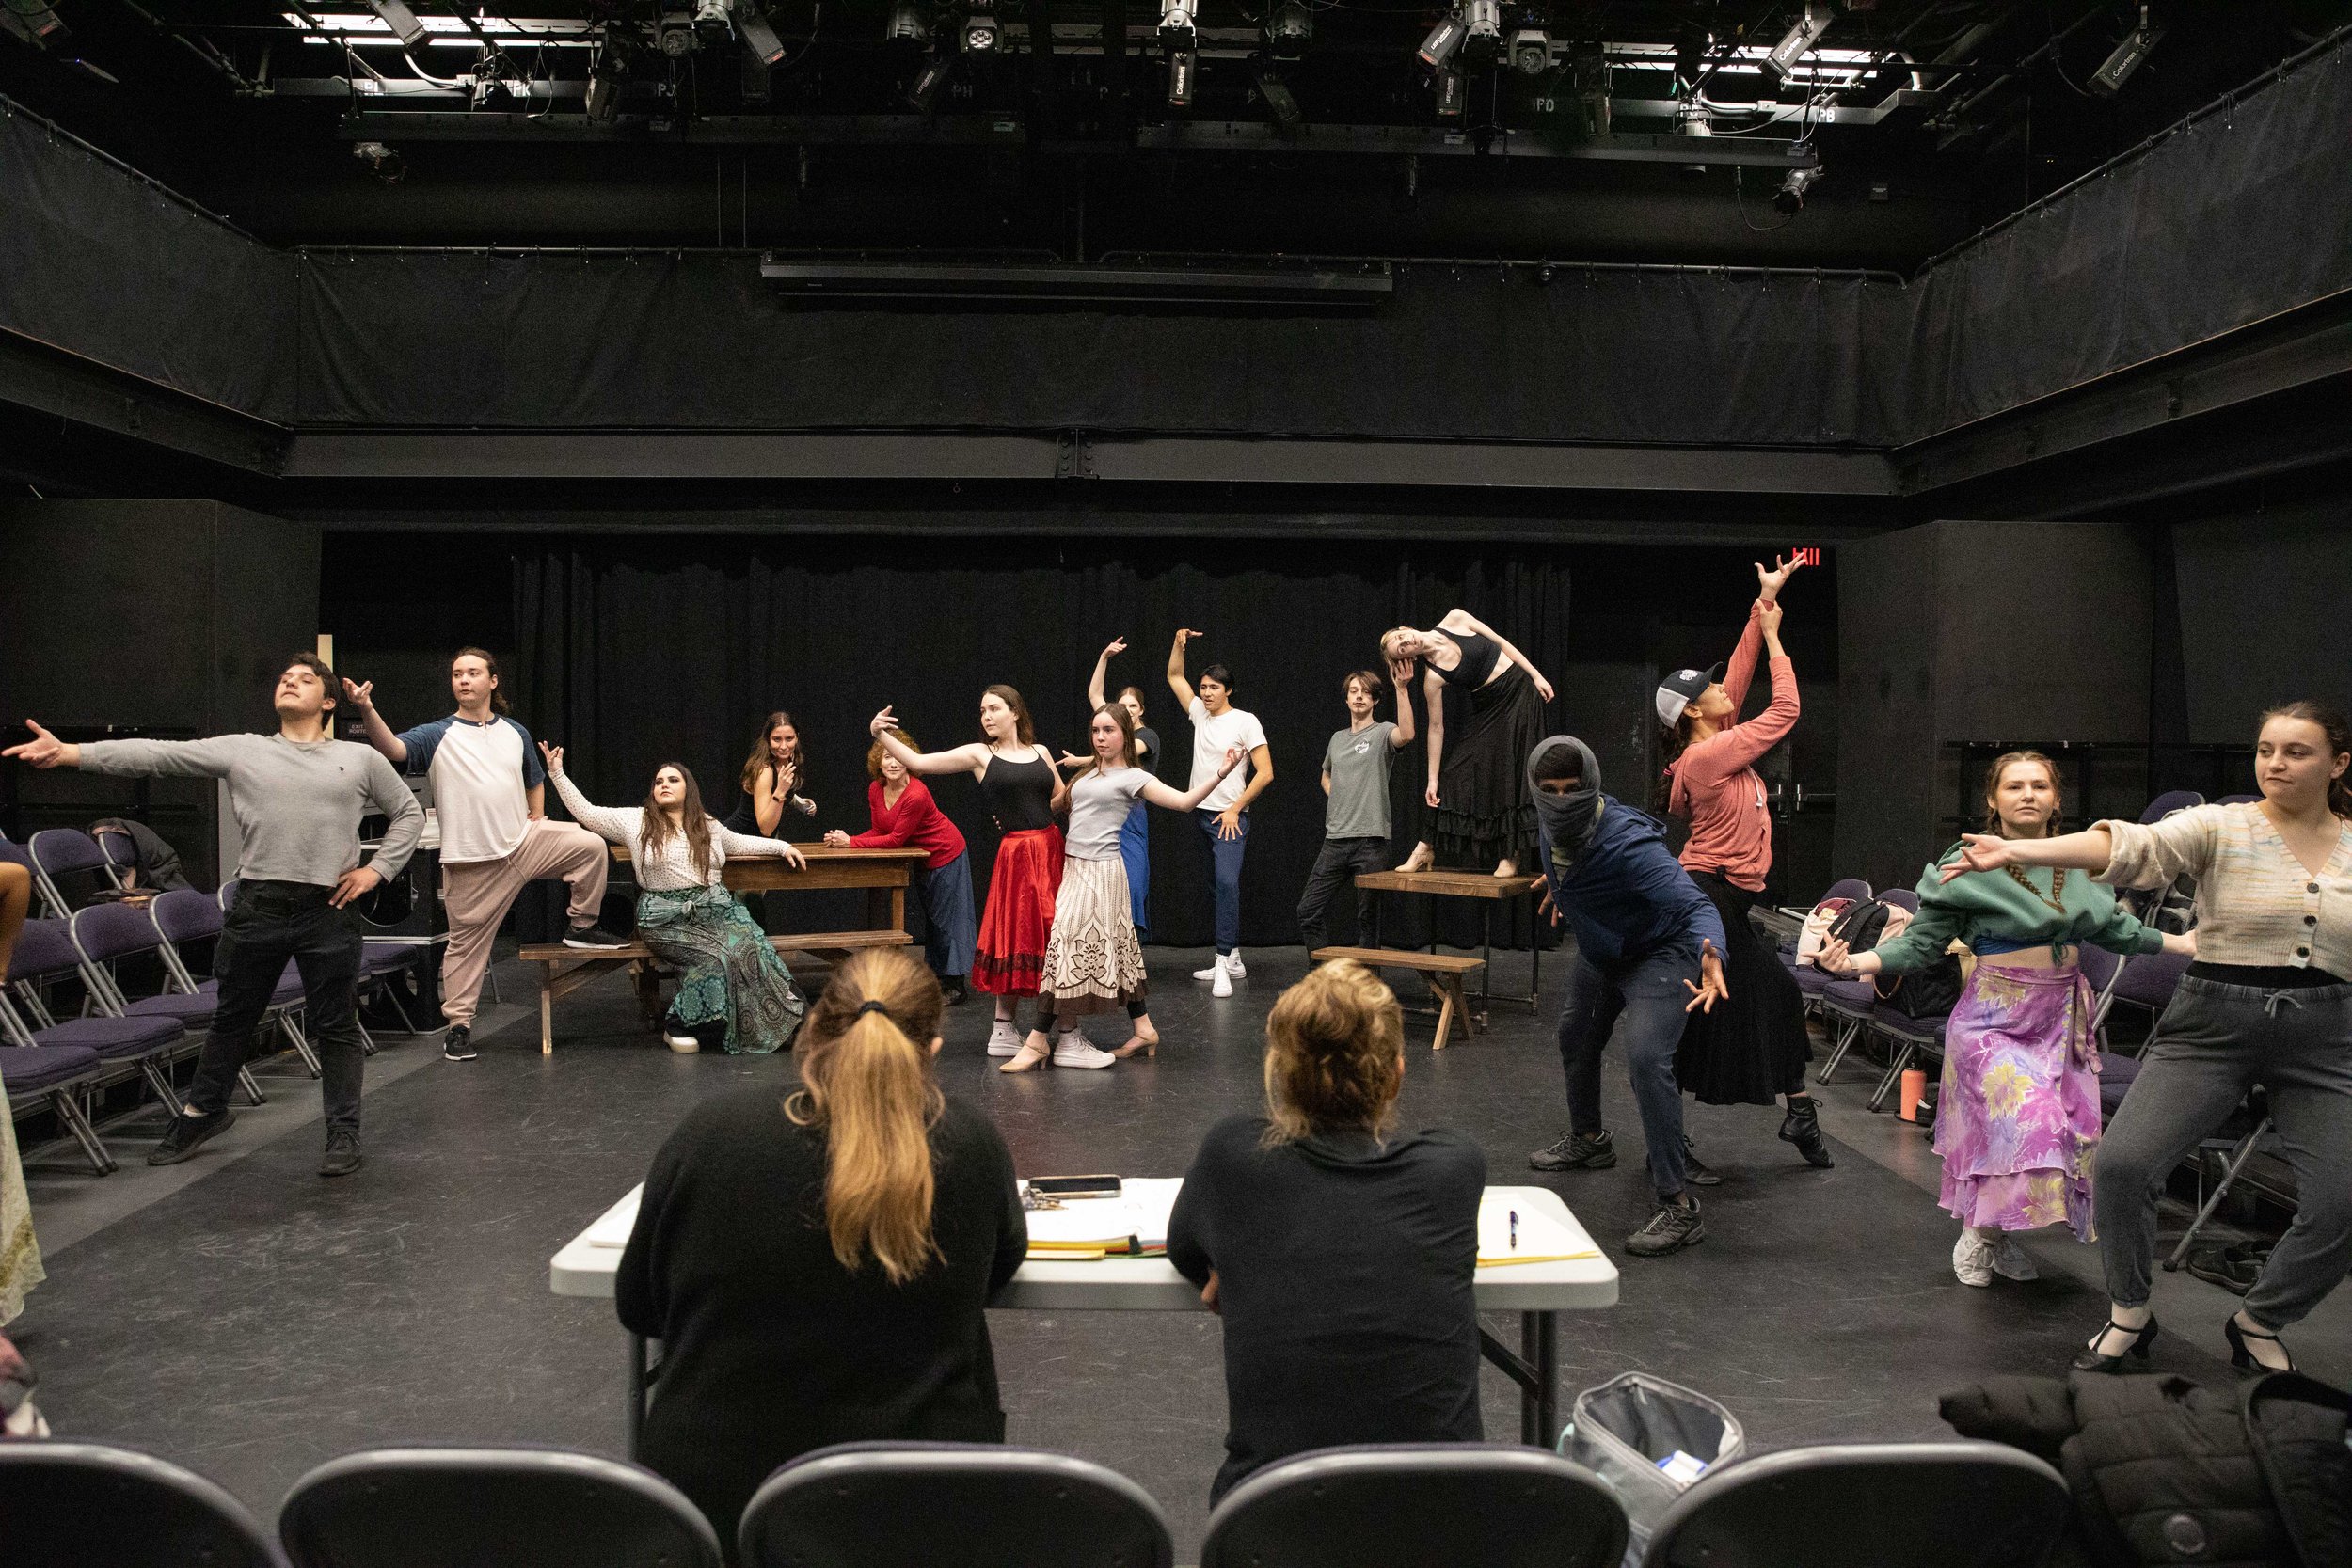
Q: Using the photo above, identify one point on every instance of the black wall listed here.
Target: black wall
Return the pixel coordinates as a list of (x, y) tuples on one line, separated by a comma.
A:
[(163, 618), (2263, 599)]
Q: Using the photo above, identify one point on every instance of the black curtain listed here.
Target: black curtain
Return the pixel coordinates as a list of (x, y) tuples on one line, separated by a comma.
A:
[(639, 651)]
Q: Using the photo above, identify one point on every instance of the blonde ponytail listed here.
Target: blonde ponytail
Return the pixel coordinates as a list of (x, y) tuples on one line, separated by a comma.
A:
[(866, 1082)]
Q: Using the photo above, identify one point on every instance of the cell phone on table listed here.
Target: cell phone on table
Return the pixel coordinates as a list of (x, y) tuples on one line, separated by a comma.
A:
[(1074, 1186)]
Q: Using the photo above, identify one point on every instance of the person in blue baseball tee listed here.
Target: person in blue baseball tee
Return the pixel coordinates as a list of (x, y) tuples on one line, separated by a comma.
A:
[(1648, 950)]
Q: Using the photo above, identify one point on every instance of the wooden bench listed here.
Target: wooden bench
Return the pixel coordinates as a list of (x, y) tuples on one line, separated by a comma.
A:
[(1445, 971), (563, 970)]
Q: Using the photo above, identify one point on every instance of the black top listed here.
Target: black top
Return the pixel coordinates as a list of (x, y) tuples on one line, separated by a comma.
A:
[(1343, 1275), (1477, 662), (770, 1348), (1148, 750), (1020, 794)]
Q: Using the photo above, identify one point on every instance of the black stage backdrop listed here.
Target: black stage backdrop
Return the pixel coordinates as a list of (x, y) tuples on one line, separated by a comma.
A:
[(640, 652)]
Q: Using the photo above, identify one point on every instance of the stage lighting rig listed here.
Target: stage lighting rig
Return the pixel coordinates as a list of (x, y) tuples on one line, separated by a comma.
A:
[(1183, 65), (1280, 100), (615, 61), (1790, 199), (402, 21), (981, 35), (1531, 51), (714, 20), (1452, 92), (937, 67), (1800, 40), (381, 161), (758, 35), (1180, 25), (1444, 41), (1482, 40), (908, 25), (2128, 56), (678, 40), (1290, 30)]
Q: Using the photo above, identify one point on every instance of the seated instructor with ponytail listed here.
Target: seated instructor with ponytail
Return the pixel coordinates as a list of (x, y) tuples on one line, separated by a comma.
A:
[(816, 1262)]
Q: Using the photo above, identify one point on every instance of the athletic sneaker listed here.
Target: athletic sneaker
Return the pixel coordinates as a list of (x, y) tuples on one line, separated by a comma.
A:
[(1696, 1173), (953, 990), (1223, 984), (2009, 1261), (1576, 1151), (592, 936), (1972, 1258), (457, 1045), (187, 1134), (1229, 963), (1672, 1229), (342, 1153), (1075, 1050), (681, 1042), (1004, 1040)]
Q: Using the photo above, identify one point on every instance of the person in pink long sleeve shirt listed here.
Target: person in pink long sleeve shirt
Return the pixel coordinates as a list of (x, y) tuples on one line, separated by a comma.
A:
[(1756, 1050)]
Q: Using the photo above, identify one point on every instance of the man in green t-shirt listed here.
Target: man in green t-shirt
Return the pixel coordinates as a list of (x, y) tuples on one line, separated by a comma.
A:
[(1356, 821)]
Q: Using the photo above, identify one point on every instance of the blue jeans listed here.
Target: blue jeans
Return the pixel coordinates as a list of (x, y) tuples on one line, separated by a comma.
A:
[(1225, 853), (951, 928), (1639, 1001), (1135, 849)]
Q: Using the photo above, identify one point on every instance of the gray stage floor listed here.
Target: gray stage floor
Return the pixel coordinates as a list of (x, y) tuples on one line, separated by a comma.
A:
[(241, 1315)]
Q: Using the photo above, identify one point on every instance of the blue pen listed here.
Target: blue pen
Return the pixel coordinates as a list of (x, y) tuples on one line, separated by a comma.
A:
[(1515, 1230)]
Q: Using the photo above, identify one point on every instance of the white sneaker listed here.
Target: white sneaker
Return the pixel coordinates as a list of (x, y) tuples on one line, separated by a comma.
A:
[(1075, 1050), (1216, 967), (1972, 1258), (1004, 1040), (1234, 967), (685, 1045), (1223, 984), (2009, 1261)]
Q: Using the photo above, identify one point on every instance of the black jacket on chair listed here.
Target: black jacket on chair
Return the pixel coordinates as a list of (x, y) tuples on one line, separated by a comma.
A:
[(2166, 1471)]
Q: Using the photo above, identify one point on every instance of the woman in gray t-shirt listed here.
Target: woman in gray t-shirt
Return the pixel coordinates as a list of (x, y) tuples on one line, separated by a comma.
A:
[(1093, 960)]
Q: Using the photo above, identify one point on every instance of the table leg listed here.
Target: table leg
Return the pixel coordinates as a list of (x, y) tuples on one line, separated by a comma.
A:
[(546, 1013), (1547, 1377), (897, 909), (1536, 1367), (1530, 1420), (636, 1412), (1486, 951)]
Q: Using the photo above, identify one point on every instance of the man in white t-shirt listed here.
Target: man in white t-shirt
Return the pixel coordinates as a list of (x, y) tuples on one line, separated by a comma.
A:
[(1224, 816), (489, 791)]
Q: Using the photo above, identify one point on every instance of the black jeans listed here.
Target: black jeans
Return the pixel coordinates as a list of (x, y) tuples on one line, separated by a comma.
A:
[(271, 923), (1335, 866), (1640, 1001)]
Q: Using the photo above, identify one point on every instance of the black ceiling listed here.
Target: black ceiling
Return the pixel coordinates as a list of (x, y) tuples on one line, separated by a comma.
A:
[(1929, 119)]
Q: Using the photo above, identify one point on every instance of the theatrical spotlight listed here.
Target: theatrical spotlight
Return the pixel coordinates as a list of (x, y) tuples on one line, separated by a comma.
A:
[(759, 37), (678, 40), (1290, 30), (1481, 44), (1452, 92), (35, 24), (2128, 56), (1177, 28), (937, 67), (607, 75), (1531, 51), (1695, 123), (1279, 101), (1789, 199), (1182, 64), (980, 36), (1798, 41), (908, 25), (401, 20), (1444, 40), (383, 162)]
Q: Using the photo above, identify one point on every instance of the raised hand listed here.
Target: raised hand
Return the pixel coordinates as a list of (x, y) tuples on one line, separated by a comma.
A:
[(1980, 852), (1233, 760), (1115, 647), (43, 751), (1769, 583), (1710, 987), (882, 721), (553, 756), (360, 695), (1771, 617), (1401, 670), (1184, 635)]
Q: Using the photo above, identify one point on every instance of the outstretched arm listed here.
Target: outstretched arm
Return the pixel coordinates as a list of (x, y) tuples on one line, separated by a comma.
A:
[(361, 696), (1096, 687), (2088, 850), (969, 758), (1510, 649), (1726, 752), (180, 759), (1176, 680), (1168, 799), (620, 825)]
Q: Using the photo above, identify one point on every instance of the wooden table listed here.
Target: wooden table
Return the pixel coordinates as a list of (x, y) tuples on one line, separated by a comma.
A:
[(884, 870), (1492, 891)]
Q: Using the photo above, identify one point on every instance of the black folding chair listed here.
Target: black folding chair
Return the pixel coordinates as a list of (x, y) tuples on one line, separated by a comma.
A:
[(496, 1508), (1418, 1506), (1922, 1505), (950, 1504), (86, 1505)]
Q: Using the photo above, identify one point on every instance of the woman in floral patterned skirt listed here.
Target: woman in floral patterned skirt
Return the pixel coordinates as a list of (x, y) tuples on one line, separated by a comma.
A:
[(2017, 1121)]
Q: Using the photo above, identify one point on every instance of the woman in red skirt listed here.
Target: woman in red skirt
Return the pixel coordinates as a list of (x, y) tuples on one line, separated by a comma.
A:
[(1024, 792)]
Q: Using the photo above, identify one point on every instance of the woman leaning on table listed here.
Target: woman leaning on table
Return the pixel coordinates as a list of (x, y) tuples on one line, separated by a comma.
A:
[(2268, 1001), (732, 984), (2017, 1120)]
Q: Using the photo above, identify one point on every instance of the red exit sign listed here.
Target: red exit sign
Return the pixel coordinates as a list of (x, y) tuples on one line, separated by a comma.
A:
[(1807, 555)]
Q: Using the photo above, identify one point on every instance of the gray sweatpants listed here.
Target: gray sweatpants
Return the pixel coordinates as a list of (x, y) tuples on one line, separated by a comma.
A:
[(2212, 1043)]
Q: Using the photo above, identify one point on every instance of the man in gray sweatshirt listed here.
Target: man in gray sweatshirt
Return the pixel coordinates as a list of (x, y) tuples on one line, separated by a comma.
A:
[(298, 796)]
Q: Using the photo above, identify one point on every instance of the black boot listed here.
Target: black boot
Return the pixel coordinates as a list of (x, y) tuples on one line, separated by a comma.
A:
[(1803, 1126)]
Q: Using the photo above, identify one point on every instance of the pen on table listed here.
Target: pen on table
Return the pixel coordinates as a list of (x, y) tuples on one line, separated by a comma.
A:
[(1515, 1230)]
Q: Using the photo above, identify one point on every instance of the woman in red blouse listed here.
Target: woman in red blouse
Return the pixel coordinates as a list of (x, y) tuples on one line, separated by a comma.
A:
[(906, 818)]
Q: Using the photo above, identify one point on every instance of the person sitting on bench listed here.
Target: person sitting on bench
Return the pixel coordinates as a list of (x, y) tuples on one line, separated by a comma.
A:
[(732, 984)]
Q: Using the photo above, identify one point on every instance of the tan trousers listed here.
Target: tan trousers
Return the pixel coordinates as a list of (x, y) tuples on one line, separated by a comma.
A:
[(478, 893)]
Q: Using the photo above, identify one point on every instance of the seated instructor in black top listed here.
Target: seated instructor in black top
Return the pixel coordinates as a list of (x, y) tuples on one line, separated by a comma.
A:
[(817, 1263), (1339, 1253)]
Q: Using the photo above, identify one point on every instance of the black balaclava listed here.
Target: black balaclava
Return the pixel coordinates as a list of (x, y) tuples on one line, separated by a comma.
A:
[(1568, 819)]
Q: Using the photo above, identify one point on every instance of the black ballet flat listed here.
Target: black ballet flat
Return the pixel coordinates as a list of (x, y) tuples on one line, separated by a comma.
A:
[(2090, 1360), (2243, 1359)]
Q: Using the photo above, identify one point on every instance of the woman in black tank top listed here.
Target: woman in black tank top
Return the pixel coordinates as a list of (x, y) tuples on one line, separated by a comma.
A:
[(1024, 792), (1482, 814)]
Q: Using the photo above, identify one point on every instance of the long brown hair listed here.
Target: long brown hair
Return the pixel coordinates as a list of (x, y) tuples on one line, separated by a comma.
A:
[(2001, 765), (1126, 737), (760, 756), (1673, 741), (693, 823), (2338, 729), (1334, 1053), (1023, 730), (866, 1082), (490, 661)]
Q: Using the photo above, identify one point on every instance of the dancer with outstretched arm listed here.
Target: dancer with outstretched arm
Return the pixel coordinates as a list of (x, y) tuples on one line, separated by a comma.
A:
[(1483, 818), (1135, 837), (1356, 811), (1217, 727), (903, 814), (1025, 793)]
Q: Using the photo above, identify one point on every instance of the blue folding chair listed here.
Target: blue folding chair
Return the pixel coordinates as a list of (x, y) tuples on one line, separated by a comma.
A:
[(66, 853), (55, 1078), (127, 1046)]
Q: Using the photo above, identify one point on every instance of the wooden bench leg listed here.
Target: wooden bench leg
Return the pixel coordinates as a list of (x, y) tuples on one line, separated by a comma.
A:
[(1447, 987), (546, 1009)]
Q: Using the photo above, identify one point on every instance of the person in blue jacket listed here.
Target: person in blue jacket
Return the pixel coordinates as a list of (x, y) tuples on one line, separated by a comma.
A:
[(1648, 950)]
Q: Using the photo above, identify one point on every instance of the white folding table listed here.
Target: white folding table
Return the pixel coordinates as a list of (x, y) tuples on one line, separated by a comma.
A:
[(1538, 1292)]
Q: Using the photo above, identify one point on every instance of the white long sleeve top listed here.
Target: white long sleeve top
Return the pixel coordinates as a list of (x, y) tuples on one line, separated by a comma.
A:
[(673, 869)]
